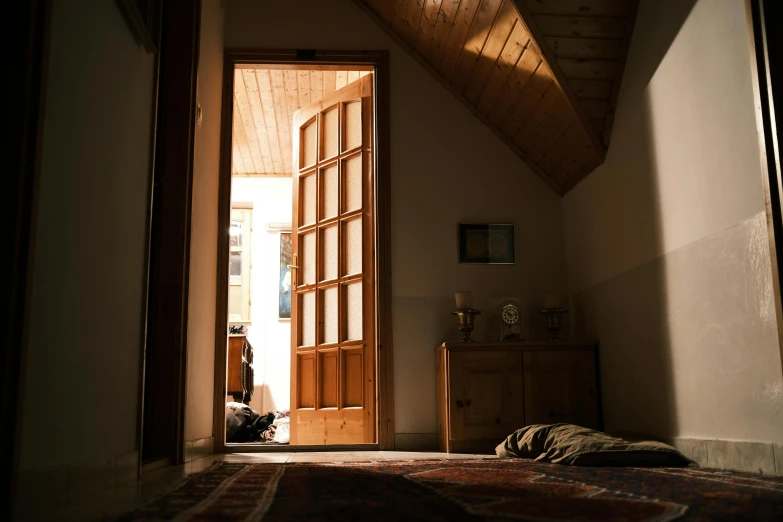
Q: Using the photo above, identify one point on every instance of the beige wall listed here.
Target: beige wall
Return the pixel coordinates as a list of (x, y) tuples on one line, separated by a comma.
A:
[(81, 381), (203, 238), (667, 254), (446, 168)]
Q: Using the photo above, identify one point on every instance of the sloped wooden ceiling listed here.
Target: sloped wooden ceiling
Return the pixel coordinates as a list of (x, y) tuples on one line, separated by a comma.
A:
[(542, 74), (265, 100)]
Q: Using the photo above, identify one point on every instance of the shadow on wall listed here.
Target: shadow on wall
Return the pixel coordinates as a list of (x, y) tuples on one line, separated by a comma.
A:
[(629, 315)]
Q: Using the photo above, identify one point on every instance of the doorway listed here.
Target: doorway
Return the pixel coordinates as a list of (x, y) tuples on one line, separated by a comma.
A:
[(303, 342)]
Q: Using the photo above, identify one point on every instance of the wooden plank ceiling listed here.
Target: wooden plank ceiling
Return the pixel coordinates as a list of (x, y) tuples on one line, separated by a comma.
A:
[(542, 74), (265, 101)]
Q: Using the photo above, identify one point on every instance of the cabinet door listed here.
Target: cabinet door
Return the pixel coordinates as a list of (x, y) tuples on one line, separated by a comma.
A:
[(234, 365), (486, 395), (560, 387)]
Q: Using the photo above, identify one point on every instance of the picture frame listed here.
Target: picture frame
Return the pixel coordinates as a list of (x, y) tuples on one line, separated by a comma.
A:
[(284, 282), (481, 243), (143, 19)]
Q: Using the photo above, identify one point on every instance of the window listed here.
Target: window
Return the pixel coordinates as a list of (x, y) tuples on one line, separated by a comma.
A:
[(239, 265)]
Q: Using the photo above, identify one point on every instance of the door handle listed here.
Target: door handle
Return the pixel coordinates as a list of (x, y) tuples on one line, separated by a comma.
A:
[(293, 269)]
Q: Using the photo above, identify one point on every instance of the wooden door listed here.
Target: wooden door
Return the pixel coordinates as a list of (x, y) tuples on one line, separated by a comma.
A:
[(486, 396), (333, 389), (560, 386)]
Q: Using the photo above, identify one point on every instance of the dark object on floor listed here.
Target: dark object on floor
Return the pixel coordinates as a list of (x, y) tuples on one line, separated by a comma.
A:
[(578, 446), (466, 489), (243, 424)]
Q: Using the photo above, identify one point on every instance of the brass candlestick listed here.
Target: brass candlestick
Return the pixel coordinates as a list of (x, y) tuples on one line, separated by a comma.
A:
[(466, 316), (554, 321)]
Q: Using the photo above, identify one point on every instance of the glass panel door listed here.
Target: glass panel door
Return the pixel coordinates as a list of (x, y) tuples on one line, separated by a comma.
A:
[(333, 355)]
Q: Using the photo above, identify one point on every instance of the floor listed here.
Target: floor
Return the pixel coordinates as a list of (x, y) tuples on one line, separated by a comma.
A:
[(109, 504)]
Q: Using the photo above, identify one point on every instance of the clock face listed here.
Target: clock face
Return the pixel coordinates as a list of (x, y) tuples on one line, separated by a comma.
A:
[(510, 314)]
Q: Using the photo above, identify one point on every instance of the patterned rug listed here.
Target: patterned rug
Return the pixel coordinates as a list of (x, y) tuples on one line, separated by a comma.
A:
[(456, 490)]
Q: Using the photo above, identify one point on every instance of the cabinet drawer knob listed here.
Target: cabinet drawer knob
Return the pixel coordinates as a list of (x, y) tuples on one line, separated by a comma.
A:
[(459, 403), (467, 402)]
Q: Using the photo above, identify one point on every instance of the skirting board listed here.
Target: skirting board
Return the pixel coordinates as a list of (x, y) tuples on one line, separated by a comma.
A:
[(415, 442), (757, 457), (199, 448), (48, 487)]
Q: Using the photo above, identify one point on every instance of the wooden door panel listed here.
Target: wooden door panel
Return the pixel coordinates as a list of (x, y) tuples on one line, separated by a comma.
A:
[(328, 364), (305, 380), (486, 394), (560, 387), (333, 308), (484, 386), (329, 426), (352, 377)]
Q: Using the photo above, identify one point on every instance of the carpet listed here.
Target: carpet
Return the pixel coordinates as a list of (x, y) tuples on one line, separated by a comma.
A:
[(457, 490)]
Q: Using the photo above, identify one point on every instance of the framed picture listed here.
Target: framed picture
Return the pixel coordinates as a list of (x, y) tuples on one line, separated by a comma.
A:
[(486, 244), (284, 307)]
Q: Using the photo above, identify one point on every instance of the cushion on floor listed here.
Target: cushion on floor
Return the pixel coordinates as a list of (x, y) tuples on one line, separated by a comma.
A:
[(578, 446)]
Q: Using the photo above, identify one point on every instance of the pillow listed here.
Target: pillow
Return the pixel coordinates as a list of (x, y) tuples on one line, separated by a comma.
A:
[(578, 446), (238, 416)]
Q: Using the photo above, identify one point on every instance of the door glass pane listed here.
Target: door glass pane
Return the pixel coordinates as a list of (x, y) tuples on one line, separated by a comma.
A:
[(352, 233), (331, 133), (329, 246), (235, 264), (352, 183), (330, 193), (235, 234), (353, 306), (309, 143), (308, 199), (307, 319), (330, 315), (353, 125), (308, 259)]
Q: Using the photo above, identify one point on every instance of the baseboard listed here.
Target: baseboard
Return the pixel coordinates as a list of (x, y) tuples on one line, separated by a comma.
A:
[(757, 457), (44, 488), (199, 448), (415, 442)]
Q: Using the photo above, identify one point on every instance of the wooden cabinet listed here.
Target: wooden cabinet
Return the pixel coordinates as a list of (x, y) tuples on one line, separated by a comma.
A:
[(486, 395), (239, 383), (560, 386), (488, 390)]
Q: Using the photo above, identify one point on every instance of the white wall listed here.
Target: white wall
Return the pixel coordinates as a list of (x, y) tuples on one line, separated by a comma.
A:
[(269, 335), (203, 238), (667, 250), (447, 168), (81, 379)]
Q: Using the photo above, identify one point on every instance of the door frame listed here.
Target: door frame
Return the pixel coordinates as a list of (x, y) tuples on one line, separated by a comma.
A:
[(766, 66), (28, 25), (163, 394), (309, 59)]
